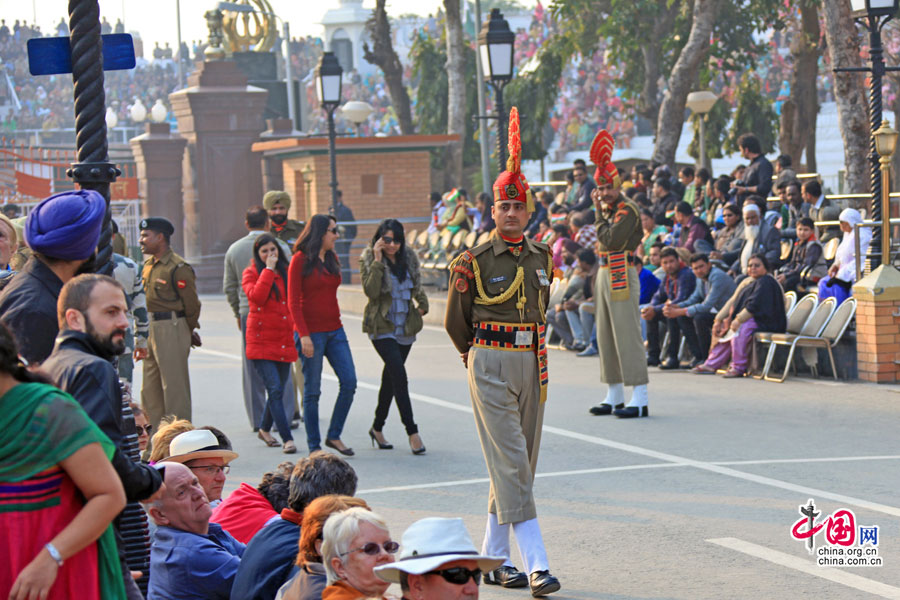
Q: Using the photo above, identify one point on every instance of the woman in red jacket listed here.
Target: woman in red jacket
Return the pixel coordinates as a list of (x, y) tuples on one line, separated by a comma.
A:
[(270, 346), (313, 280)]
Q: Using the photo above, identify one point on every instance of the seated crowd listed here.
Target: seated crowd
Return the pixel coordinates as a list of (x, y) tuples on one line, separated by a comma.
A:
[(715, 254)]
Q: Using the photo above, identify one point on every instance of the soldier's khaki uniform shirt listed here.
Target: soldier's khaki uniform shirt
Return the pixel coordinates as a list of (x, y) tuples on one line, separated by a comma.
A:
[(170, 285), (289, 232)]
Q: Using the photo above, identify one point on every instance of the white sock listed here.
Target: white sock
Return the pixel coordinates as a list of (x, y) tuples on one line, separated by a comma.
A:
[(615, 395), (639, 396), (531, 546), (496, 539)]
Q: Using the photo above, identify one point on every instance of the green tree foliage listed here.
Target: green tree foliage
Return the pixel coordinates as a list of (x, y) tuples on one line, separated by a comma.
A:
[(716, 127), (535, 94), (754, 114), (431, 90), (644, 38)]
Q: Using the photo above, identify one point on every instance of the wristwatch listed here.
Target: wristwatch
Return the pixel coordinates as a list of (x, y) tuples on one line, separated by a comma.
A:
[(54, 553)]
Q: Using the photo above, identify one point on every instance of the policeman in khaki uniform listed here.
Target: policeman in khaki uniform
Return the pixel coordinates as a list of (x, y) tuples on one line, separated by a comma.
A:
[(496, 319), (277, 203), (622, 357), (174, 311)]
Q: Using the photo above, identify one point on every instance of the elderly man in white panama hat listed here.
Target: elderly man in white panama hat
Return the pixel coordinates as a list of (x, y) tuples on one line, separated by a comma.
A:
[(200, 451), (438, 561)]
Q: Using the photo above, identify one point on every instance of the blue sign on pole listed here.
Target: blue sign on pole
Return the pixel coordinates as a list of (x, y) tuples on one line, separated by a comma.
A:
[(53, 55)]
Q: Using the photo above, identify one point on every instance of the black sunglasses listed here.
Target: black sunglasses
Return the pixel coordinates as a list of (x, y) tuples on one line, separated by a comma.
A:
[(333, 230), (390, 240), (144, 429), (372, 548), (458, 575)]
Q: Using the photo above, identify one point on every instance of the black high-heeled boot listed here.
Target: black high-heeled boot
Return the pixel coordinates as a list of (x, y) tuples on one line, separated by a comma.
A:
[(375, 440)]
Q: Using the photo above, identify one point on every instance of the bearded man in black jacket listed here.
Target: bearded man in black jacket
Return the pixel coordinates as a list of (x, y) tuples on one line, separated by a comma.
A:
[(92, 320)]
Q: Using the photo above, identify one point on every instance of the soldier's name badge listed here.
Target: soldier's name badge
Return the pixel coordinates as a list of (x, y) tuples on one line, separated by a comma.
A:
[(498, 279), (542, 277), (160, 281), (524, 338)]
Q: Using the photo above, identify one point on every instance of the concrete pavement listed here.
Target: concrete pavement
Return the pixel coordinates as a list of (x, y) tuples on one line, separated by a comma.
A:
[(697, 501)]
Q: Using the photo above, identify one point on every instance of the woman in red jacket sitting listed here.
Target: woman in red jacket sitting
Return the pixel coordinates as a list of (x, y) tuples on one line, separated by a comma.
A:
[(270, 346)]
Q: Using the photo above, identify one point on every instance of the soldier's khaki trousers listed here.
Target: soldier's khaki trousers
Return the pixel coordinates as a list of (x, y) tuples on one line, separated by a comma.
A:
[(166, 388), (622, 356), (506, 398)]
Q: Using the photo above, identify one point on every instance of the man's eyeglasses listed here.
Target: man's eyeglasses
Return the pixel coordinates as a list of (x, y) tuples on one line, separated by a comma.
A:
[(458, 575), (372, 548), (390, 240), (142, 429), (212, 470)]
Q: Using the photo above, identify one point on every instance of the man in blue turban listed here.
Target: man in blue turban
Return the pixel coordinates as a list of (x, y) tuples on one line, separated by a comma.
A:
[(62, 231)]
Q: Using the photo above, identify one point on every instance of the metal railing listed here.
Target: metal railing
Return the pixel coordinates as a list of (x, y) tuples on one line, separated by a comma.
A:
[(856, 248)]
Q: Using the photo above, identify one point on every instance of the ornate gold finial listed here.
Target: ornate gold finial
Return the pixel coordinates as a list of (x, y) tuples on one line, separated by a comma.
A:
[(214, 22), (251, 31)]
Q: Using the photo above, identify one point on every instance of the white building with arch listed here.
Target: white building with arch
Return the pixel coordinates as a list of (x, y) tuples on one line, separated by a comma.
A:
[(345, 32)]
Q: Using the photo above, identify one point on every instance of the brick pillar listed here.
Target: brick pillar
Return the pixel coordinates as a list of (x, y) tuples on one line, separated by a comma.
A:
[(221, 117), (878, 326), (158, 155)]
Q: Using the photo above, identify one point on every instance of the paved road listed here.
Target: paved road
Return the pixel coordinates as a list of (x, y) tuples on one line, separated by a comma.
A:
[(695, 502)]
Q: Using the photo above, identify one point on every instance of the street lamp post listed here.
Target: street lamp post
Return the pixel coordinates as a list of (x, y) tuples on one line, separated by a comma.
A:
[(700, 104), (874, 14), (495, 45), (328, 90), (307, 174), (885, 138)]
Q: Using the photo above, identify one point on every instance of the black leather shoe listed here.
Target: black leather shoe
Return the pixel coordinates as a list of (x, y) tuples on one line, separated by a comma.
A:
[(506, 576), (670, 365), (652, 362), (631, 412), (543, 583), (603, 409)]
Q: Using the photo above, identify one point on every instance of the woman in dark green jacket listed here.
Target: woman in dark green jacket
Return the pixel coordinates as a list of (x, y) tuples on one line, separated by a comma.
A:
[(392, 318)]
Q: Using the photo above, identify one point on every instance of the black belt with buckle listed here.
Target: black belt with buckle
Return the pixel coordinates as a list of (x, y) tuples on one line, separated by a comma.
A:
[(167, 314), (499, 336)]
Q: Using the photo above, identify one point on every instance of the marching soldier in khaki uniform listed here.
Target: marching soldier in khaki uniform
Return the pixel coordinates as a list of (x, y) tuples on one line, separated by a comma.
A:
[(622, 358), (174, 311), (496, 318)]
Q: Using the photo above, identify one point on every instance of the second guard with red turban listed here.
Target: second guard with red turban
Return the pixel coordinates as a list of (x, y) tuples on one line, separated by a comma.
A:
[(496, 317), (622, 357)]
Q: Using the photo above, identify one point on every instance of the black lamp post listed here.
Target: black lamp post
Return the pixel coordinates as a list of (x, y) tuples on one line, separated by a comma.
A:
[(93, 171), (874, 14), (328, 90), (495, 47)]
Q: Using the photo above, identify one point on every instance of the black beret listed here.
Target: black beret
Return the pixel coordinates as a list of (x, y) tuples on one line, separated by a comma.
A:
[(158, 224)]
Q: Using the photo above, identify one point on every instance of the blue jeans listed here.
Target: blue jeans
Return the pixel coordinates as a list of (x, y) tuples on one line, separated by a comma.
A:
[(334, 346), (274, 375)]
